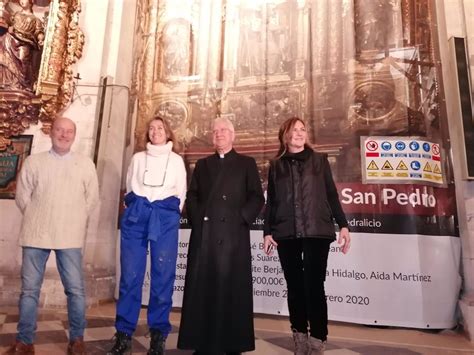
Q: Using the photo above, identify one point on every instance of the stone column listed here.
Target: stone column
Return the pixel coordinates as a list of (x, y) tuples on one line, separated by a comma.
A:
[(108, 28), (456, 18)]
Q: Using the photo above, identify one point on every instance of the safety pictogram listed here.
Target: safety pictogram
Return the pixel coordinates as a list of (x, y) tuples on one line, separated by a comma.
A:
[(402, 166), (414, 145), (387, 165), (436, 169), (371, 145), (427, 168), (386, 145), (372, 166), (415, 165)]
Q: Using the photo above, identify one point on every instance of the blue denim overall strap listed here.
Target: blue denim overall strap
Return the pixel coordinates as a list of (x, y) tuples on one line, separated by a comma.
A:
[(138, 203)]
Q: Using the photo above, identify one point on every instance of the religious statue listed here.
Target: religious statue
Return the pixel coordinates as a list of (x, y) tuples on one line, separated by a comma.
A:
[(176, 45), (4, 16), (276, 42), (251, 43), (373, 24), (37, 54), (20, 48)]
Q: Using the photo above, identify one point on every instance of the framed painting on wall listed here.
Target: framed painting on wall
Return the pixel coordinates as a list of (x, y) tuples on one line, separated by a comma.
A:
[(11, 161)]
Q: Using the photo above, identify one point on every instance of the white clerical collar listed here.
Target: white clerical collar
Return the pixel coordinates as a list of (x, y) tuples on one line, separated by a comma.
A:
[(223, 155)]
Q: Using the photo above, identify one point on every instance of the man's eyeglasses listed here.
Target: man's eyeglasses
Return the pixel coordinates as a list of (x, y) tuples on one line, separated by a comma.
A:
[(220, 131)]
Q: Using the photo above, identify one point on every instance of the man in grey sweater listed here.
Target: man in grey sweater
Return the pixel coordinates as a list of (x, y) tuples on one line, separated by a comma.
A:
[(56, 192)]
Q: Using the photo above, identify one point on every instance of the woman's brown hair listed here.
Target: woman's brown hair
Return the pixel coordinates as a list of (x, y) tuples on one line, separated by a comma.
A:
[(169, 133), (286, 128)]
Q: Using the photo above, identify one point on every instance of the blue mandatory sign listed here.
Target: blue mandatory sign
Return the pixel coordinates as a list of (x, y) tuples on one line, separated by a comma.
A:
[(400, 145), (386, 145), (415, 165), (426, 147), (414, 145)]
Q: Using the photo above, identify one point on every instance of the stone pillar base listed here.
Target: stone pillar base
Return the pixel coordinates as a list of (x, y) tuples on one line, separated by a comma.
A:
[(466, 304)]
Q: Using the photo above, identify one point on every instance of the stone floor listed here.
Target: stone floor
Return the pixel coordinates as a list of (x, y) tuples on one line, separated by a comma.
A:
[(272, 336)]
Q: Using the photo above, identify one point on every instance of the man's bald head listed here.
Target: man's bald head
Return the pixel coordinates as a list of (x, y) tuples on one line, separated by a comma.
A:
[(63, 133), (61, 120)]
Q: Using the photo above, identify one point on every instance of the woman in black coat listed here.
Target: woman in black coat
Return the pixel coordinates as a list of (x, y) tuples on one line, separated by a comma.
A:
[(302, 204)]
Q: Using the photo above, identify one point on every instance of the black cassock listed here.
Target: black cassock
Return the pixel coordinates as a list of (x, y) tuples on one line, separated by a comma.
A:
[(223, 200)]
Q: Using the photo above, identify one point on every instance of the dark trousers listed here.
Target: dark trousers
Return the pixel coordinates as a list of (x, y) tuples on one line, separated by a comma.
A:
[(304, 263)]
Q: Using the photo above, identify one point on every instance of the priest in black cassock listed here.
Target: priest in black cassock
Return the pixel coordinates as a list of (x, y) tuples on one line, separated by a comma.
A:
[(223, 200)]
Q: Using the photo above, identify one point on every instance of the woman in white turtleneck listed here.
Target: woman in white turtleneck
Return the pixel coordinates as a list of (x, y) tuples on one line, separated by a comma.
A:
[(156, 189)]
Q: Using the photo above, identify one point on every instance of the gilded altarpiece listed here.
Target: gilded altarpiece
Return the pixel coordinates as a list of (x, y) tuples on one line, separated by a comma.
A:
[(347, 67), (39, 43)]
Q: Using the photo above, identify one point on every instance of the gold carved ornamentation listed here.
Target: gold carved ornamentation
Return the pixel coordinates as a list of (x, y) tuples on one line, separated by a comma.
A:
[(347, 67), (38, 47)]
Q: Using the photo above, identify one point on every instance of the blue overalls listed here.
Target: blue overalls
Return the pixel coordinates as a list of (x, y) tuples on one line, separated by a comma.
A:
[(156, 223)]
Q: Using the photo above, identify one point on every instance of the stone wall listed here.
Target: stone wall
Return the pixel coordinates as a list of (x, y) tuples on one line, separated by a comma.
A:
[(109, 28)]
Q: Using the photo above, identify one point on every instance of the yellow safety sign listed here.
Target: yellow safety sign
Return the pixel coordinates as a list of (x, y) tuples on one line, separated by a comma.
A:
[(372, 166), (402, 166), (387, 165)]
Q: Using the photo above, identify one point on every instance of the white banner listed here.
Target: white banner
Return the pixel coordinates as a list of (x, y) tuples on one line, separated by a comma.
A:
[(399, 280)]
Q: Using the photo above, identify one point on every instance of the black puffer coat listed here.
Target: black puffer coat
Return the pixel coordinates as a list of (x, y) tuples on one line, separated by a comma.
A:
[(302, 199)]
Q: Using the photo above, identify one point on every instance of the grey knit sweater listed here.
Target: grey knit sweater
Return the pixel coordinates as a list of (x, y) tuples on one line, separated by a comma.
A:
[(56, 196)]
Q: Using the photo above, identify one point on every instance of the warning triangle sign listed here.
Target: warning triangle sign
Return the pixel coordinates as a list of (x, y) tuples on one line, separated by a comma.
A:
[(372, 166), (436, 169), (402, 166), (427, 168), (387, 165)]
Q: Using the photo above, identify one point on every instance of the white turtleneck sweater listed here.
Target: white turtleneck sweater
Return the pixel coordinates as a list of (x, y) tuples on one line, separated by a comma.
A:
[(157, 173)]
